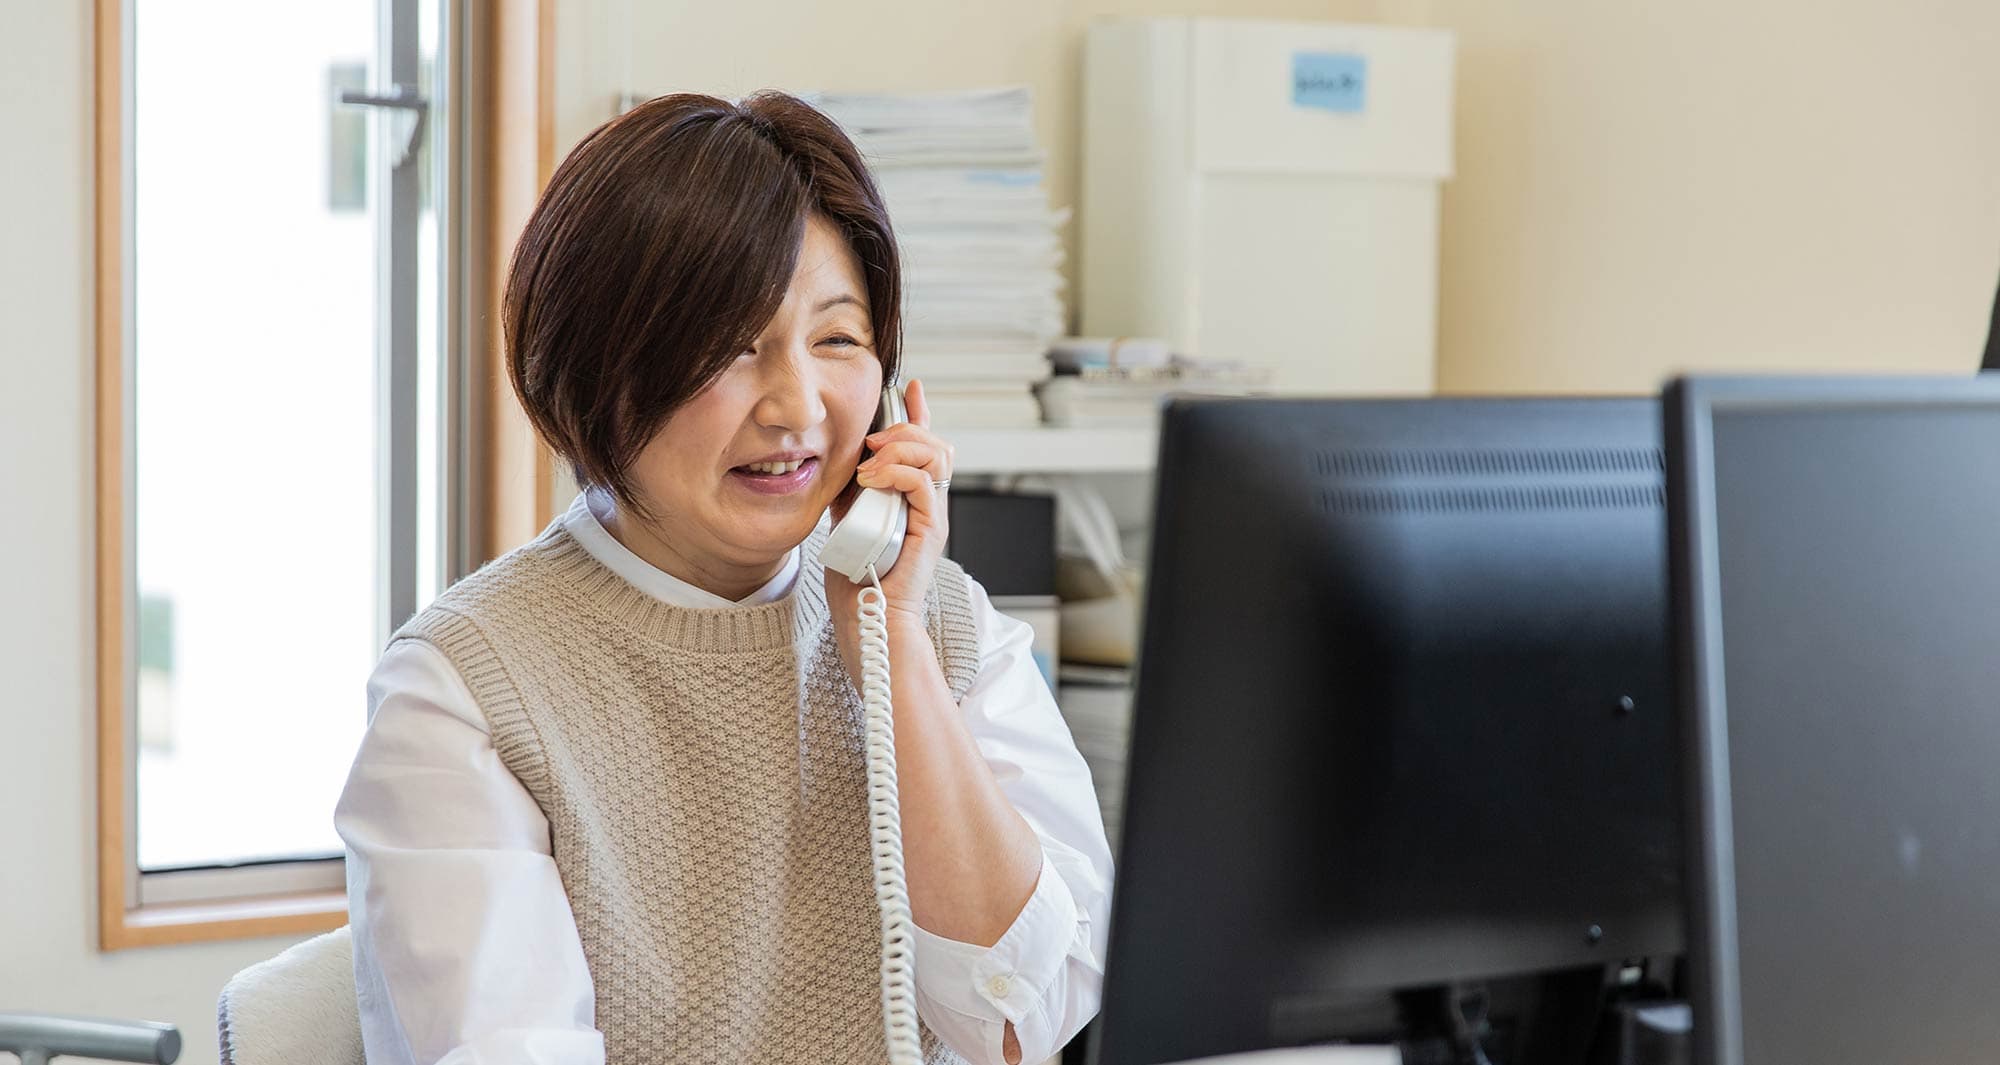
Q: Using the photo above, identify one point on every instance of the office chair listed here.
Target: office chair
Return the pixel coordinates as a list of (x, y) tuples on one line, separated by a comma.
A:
[(295, 1009), (35, 1038)]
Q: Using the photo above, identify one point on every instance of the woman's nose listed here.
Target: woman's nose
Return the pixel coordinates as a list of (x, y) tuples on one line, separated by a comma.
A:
[(789, 394)]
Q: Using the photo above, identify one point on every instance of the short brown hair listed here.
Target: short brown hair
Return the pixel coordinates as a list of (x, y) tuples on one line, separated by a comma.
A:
[(661, 247)]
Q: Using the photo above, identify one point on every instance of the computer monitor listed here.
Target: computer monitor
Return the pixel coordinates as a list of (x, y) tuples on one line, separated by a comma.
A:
[(1992, 359), (1402, 719), (1837, 593)]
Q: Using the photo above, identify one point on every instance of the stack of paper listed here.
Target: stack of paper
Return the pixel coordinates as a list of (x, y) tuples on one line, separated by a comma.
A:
[(1077, 354), (982, 287), (1103, 396), (1096, 703)]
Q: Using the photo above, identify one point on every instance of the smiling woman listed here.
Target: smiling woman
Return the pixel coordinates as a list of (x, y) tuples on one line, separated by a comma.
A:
[(614, 801), (758, 454), (675, 231)]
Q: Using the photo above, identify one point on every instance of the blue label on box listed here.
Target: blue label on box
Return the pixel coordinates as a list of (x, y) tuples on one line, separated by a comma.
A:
[(1331, 81)]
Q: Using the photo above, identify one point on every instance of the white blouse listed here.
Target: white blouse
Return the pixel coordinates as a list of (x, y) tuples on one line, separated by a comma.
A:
[(465, 949)]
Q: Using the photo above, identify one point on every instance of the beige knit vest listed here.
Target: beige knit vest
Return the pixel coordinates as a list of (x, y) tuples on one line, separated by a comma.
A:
[(703, 776)]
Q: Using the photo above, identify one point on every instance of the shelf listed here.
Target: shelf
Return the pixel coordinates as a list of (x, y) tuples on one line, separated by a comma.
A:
[(1051, 449)]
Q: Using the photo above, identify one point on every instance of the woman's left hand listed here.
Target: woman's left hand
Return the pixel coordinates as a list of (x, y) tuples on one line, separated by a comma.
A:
[(908, 458)]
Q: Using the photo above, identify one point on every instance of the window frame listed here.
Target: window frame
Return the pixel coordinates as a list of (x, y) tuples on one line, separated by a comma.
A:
[(501, 64)]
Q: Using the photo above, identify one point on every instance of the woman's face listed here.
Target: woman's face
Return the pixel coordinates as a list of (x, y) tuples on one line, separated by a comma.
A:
[(803, 397)]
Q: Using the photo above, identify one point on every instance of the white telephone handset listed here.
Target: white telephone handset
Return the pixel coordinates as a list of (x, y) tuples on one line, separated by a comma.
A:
[(863, 546), (872, 532)]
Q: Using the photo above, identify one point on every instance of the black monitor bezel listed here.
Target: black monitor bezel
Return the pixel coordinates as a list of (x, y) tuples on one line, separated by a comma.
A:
[(1992, 359)]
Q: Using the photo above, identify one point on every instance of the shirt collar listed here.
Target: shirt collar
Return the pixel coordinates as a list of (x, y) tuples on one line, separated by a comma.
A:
[(585, 521)]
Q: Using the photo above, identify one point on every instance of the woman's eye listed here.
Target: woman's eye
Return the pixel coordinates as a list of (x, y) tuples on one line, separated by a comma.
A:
[(840, 339)]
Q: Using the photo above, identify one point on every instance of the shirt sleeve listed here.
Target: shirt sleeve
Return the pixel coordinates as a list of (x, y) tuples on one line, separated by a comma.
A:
[(465, 949), (1046, 973)]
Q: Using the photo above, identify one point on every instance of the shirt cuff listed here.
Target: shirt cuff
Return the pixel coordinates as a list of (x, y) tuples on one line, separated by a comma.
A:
[(1009, 979)]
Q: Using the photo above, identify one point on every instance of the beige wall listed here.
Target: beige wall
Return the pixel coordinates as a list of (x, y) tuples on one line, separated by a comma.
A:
[(1641, 188), (48, 754), (1644, 188)]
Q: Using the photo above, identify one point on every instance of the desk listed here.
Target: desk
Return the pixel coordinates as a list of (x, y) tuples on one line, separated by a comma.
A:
[(1310, 1056)]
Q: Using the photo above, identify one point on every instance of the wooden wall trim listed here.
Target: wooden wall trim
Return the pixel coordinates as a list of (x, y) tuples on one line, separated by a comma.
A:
[(112, 652), (518, 156)]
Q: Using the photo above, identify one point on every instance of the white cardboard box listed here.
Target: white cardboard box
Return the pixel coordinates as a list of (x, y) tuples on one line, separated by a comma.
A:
[(1268, 191)]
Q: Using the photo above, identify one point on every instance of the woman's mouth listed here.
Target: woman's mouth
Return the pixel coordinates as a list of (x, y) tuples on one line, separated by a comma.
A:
[(776, 478)]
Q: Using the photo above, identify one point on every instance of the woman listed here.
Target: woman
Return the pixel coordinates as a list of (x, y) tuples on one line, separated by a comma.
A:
[(611, 801)]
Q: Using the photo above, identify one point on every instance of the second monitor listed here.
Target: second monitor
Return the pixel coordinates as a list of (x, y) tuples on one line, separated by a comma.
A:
[(1839, 586)]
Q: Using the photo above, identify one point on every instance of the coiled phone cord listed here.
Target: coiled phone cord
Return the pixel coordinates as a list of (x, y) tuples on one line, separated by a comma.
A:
[(885, 829)]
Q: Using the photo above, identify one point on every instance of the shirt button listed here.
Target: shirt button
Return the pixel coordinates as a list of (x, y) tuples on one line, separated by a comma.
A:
[(1000, 985)]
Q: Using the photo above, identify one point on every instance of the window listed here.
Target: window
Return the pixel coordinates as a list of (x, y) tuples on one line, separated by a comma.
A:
[(288, 393)]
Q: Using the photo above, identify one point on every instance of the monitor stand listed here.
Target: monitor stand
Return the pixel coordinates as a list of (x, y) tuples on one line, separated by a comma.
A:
[(1619, 1015)]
